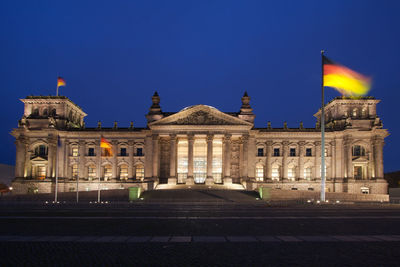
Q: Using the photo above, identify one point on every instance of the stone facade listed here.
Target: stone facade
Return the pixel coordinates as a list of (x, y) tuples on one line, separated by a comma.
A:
[(199, 145)]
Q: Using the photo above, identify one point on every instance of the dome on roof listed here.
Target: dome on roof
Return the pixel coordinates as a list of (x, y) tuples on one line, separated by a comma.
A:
[(189, 107)]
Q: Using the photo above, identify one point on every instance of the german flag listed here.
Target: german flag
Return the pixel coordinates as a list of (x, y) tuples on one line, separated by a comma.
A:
[(106, 145), (60, 82), (345, 80)]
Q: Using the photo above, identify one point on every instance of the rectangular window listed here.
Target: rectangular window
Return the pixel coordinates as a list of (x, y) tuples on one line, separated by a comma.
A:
[(276, 152), (292, 152), (139, 151), (308, 152), (260, 173), (74, 151), (91, 152), (291, 173), (123, 152), (326, 152), (91, 172), (307, 173), (123, 172), (260, 152), (358, 172), (41, 172), (107, 172), (139, 172)]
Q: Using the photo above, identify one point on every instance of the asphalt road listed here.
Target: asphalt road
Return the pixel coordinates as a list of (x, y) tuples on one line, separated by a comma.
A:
[(195, 233)]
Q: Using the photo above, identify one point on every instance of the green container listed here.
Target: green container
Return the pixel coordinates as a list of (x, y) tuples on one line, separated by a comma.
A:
[(134, 193), (265, 193)]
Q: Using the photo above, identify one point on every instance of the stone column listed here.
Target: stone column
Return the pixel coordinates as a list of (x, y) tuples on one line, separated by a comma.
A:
[(114, 159), (301, 159), (285, 145), (148, 154), (245, 161), (210, 179), (27, 165), (190, 179), (131, 145), (268, 167), (172, 160), (227, 157), (20, 157), (333, 161), (82, 152), (317, 162), (378, 149), (155, 157)]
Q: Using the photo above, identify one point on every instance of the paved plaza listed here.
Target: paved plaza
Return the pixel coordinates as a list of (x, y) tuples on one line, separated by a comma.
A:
[(195, 228)]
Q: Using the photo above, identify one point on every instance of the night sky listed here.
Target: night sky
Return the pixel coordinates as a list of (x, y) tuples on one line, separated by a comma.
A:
[(115, 54)]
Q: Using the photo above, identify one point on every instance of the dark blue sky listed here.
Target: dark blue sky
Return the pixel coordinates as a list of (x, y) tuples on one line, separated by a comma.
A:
[(115, 54)]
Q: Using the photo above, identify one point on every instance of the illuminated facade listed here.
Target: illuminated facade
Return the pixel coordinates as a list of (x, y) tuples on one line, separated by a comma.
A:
[(199, 145)]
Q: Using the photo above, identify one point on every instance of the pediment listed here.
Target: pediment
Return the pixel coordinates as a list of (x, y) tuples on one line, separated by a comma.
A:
[(38, 159), (201, 115), (361, 159)]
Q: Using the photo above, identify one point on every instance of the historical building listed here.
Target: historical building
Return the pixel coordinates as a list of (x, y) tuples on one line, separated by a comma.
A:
[(198, 145)]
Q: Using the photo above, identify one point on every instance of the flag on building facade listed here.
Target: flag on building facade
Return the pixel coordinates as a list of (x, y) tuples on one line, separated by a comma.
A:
[(106, 145), (343, 79), (60, 82)]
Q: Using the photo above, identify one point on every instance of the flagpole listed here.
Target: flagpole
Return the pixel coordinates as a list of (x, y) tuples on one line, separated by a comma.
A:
[(322, 130), (99, 174), (56, 189), (77, 188)]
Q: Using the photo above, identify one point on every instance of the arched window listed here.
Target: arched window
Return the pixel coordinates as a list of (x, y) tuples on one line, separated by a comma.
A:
[(45, 112), (53, 112), (123, 172), (355, 113), (307, 173), (259, 172), (275, 172), (91, 172), (358, 151), (35, 112), (292, 173), (139, 172), (107, 172), (364, 112)]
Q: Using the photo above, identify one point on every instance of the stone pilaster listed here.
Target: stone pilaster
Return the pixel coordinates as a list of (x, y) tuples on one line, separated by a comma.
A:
[(190, 179), (28, 166), (20, 157), (66, 167), (131, 145), (148, 166), (268, 167), (251, 159), (210, 179), (98, 158), (348, 158), (378, 156), (172, 160), (333, 161), (51, 157), (339, 158), (245, 159), (155, 152), (317, 160), (82, 152), (301, 159), (227, 158), (114, 159), (285, 145)]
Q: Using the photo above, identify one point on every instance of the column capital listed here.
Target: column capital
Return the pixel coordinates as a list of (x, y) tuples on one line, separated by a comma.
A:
[(317, 143), (131, 142), (172, 137), (302, 143), (190, 137), (269, 143), (245, 137), (227, 138), (114, 142), (332, 143), (210, 137), (154, 136)]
